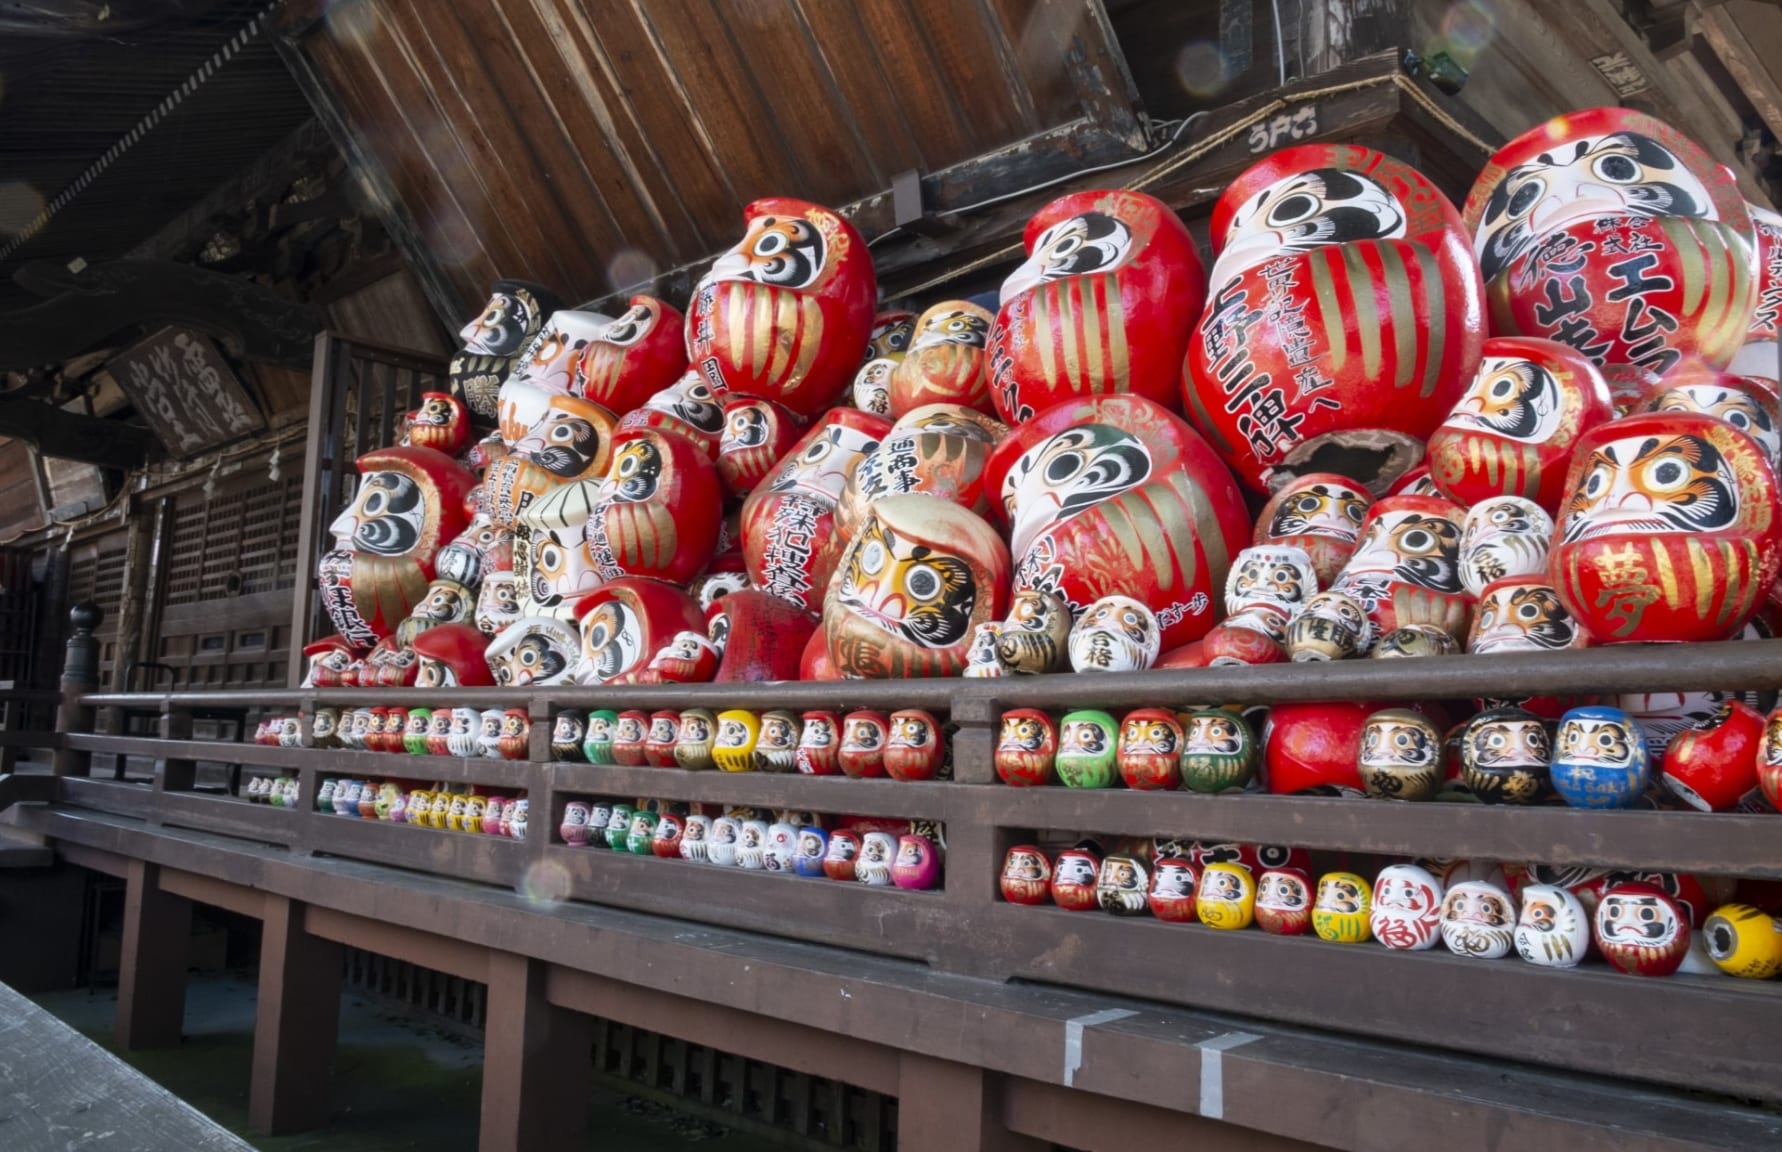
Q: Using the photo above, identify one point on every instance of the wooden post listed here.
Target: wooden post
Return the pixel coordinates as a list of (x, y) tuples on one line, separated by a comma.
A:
[(948, 1107), (535, 1062), (80, 675), (296, 1023), (152, 973), (138, 544)]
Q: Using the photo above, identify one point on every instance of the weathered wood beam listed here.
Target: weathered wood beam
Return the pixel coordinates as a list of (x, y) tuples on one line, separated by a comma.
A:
[(87, 306), (71, 436), (1747, 38), (379, 189)]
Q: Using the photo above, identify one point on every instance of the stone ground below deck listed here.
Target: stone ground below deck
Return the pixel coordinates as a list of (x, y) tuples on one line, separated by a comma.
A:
[(401, 1081)]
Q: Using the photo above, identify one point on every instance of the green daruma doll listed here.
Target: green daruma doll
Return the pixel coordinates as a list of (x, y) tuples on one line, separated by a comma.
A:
[(1086, 747), (1218, 750)]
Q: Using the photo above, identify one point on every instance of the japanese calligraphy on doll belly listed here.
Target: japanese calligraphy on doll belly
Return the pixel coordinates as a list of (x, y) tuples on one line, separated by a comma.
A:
[(186, 391), (1266, 418), (1565, 310)]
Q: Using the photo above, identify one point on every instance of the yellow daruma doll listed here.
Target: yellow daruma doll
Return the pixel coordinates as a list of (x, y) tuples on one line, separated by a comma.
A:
[(1344, 904), (1227, 896), (1743, 941), (738, 731)]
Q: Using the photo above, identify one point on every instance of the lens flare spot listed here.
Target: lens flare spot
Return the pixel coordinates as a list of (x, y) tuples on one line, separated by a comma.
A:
[(1468, 28), (352, 22), (20, 205), (630, 269), (1202, 69), (545, 882)]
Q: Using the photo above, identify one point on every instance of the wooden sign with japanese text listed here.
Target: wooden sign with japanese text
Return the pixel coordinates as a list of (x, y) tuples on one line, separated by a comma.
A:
[(186, 391)]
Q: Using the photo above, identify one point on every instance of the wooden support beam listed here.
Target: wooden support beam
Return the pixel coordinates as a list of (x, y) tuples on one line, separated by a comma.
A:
[(1095, 1123), (87, 306), (535, 1062), (1747, 37), (68, 435), (296, 1023), (948, 1107), (152, 972)]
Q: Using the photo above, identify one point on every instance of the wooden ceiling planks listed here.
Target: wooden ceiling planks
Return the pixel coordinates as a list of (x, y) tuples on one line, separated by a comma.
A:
[(591, 143)]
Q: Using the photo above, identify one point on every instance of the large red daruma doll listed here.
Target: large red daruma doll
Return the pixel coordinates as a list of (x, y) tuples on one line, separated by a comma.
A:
[(1344, 318), (410, 501), (1513, 432), (1111, 495), (790, 543), (1612, 232), (634, 357), (1671, 530), (657, 512), (1104, 304), (786, 314)]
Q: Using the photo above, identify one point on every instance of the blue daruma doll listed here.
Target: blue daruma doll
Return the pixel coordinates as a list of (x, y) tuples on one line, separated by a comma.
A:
[(1599, 758)]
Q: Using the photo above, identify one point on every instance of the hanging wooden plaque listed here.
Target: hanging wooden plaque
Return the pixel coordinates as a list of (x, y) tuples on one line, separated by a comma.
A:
[(186, 391)]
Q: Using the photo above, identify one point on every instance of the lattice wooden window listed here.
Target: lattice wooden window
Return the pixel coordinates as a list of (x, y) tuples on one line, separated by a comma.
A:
[(236, 543)]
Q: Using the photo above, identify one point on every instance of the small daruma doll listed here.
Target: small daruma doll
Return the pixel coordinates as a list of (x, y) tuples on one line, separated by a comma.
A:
[(1478, 920), (1149, 751), (1400, 756), (1114, 634), (1552, 930), (1027, 747), (1087, 743), (1341, 912), (1504, 536), (1406, 570), (1769, 760), (946, 362), (917, 866), (862, 754), (1104, 304), (634, 357), (1218, 750), (1321, 513), (695, 740), (630, 733), (1074, 873), (1407, 909), (1641, 930), (1506, 756), (915, 748), (1226, 897), (1171, 897), (1600, 758), (1026, 875), (911, 588), (819, 744), (1284, 901), (734, 748), (1120, 886), (786, 314), (1671, 530), (1513, 432), (839, 856)]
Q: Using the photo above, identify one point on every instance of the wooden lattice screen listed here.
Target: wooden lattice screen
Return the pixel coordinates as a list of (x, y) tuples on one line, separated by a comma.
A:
[(230, 566)]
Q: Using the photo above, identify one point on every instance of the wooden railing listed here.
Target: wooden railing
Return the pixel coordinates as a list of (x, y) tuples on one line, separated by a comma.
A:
[(1717, 1033)]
